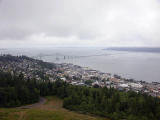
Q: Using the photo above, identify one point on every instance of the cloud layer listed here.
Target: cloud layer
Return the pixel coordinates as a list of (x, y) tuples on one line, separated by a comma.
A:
[(79, 23)]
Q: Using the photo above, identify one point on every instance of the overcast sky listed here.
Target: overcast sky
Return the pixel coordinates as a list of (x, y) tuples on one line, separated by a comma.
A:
[(37, 23)]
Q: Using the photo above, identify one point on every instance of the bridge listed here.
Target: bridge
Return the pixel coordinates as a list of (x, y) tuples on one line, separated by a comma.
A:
[(59, 56)]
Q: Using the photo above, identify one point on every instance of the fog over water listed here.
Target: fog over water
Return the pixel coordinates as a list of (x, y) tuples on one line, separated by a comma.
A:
[(137, 65)]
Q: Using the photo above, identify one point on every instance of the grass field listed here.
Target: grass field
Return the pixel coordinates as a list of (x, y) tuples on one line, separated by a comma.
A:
[(51, 110)]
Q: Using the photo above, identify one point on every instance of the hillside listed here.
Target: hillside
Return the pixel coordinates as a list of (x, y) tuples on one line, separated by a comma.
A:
[(51, 110), (17, 90)]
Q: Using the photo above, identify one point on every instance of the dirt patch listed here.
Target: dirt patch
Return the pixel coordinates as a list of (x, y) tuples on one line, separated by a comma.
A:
[(21, 115), (53, 103)]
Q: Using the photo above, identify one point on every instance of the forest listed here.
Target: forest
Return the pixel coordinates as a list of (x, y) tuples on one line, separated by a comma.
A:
[(110, 103), (14, 91)]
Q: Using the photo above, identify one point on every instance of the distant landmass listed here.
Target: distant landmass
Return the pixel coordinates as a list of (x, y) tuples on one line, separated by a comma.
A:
[(136, 49), (3, 49)]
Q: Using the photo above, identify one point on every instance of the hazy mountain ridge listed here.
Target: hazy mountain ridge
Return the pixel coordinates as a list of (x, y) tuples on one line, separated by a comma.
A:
[(136, 49)]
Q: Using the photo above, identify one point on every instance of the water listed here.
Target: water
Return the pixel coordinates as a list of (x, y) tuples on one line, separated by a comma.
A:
[(137, 65)]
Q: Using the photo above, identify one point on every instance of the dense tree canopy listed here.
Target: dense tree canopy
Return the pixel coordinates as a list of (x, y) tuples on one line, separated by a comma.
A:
[(113, 103), (14, 91)]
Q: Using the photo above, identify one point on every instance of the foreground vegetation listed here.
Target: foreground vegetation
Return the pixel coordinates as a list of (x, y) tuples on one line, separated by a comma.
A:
[(103, 102), (51, 110), (15, 91)]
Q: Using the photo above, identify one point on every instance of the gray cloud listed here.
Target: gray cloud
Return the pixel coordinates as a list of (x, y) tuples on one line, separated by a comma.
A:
[(91, 22)]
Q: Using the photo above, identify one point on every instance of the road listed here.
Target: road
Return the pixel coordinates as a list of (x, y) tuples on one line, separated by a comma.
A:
[(41, 101)]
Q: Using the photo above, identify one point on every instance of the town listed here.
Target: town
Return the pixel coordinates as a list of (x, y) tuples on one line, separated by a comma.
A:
[(73, 74)]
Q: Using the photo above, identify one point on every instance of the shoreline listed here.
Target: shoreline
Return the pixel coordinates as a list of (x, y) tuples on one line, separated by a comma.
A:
[(74, 74)]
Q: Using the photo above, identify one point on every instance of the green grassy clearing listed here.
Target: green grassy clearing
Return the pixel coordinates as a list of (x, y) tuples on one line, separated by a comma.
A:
[(51, 110)]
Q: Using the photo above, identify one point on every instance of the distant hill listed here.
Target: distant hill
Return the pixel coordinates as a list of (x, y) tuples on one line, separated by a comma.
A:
[(136, 49)]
